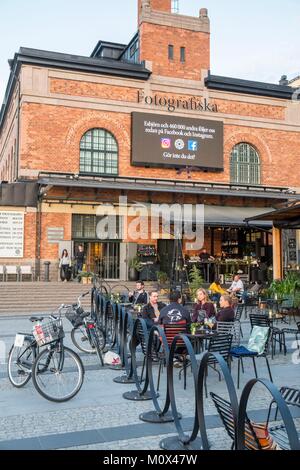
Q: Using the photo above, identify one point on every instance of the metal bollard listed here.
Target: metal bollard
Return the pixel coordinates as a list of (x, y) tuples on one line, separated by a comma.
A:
[(46, 275)]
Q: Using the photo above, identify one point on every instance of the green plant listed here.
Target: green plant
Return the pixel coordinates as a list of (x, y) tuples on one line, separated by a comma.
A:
[(85, 274), (136, 264), (290, 285), (196, 281), (162, 277)]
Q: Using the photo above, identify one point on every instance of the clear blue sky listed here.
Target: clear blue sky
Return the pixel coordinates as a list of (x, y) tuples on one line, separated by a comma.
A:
[(257, 39)]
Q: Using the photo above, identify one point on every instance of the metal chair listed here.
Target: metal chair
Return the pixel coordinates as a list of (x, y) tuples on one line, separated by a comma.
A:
[(252, 441), (241, 353), (293, 331), (238, 316), (290, 395), (172, 330), (221, 344), (277, 335)]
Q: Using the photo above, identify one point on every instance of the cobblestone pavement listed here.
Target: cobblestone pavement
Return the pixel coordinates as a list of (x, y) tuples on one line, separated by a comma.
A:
[(100, 418)]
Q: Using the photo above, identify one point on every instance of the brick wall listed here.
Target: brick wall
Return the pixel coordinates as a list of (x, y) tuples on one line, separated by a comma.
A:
[(197, 51), (279, 150)]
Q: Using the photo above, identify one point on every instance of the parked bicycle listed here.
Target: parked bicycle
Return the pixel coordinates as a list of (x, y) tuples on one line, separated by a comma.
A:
[(87, 334), (56, 371)]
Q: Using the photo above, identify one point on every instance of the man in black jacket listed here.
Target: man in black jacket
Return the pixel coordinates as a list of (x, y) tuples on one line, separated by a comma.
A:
[(139, 296), (174, 312), (151, 311)]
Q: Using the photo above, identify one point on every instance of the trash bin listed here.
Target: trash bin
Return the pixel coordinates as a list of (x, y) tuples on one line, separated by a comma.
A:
[(46, 275)]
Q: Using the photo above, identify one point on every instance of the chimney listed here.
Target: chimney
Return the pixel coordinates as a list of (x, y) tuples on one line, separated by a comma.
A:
[(284, 81), (155, 5)]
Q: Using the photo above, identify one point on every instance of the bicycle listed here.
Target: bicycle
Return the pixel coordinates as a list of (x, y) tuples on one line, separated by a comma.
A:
[(57, 371), (87, 334)]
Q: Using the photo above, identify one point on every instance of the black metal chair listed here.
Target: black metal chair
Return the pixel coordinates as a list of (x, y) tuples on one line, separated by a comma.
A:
[(241, 353), (293, 331), (252, 441), (277, 335), (290, 395), (238, 316), (221, 344)]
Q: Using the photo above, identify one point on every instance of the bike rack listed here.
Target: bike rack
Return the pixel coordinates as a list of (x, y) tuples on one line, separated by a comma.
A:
[(126, 322), (142, 393), (182, 441), (283, 409), (201, 390), (159, 415)]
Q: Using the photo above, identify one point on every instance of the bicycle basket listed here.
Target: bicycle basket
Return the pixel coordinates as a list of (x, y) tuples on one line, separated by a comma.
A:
[(48, 332), (76, 318)]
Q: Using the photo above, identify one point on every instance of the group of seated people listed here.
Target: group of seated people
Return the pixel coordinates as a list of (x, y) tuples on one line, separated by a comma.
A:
[(156, 312)]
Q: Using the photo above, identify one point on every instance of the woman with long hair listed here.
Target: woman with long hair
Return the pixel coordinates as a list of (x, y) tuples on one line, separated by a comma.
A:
[(64, 264), (203, 303)]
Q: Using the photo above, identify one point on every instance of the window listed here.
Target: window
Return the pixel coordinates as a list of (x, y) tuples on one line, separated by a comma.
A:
[(182, 54), (175, 6), (244, 165), (171, 52), (98, 153)]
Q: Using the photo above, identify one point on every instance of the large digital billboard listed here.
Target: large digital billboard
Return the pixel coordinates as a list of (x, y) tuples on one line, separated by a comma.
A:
[(172, 141)]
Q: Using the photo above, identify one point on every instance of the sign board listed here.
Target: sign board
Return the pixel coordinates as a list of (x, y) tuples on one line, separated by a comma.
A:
[(11, 234), (55, 234), (174, 141)]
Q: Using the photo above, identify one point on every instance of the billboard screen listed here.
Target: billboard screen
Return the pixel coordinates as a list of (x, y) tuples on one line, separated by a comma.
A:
[(172, 141)]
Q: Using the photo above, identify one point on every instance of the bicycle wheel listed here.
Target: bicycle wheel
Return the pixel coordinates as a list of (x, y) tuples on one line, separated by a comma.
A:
[(96, 337), (81, 340), (20, 360), (58, 378)]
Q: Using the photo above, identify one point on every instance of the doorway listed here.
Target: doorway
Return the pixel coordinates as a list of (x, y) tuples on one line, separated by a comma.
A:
[(102, 258)]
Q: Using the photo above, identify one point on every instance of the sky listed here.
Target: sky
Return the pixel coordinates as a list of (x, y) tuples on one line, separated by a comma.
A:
[(255, 40)]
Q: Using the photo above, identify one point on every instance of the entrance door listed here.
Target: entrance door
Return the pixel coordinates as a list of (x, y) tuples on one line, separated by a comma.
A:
[(104, 259), (165, 250)]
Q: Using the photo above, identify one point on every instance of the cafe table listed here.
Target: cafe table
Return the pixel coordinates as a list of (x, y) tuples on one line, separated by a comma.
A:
[(200, 338)]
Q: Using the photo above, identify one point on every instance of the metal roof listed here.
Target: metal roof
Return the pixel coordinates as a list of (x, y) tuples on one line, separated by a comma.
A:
[(288, 217), (168, 186)]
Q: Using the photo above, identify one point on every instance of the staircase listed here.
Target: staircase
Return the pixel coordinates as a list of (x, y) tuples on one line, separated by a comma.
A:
[(44, 297)]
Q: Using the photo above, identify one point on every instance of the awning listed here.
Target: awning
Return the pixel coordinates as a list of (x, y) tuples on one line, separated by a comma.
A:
[(288, 217), (229, 215)]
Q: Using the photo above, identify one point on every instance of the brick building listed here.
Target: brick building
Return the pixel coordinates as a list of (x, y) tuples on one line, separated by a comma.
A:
[(72, 142)]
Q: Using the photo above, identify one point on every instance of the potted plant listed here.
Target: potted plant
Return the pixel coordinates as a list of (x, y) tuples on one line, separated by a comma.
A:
[(86, 277), (135, 266), (196, 281), (162, 279)]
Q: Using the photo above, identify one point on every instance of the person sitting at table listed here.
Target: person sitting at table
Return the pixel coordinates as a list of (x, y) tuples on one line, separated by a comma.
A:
[(151, 311), (216, 290), (174, 312), (237, 286), (204, 304), (226, 313), (139, 296)]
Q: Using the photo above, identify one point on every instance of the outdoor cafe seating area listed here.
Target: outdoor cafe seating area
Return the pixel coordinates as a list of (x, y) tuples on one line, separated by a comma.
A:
[(264, 330)]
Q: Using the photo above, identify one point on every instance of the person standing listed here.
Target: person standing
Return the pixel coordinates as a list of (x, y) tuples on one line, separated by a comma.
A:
[(64, 265), (79, 257)]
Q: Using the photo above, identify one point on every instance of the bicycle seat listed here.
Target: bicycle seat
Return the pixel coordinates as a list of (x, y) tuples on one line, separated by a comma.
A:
[(33, 319)]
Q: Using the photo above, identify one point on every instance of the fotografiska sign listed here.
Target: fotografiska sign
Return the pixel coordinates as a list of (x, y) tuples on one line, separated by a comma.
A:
[(191, 104)]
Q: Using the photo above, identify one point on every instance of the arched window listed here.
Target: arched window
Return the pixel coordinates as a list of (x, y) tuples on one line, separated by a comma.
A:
[(244, 165), (98, 153)]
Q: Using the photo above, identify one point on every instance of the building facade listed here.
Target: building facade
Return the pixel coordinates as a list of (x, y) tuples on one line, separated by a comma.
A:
[(148, 122)]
